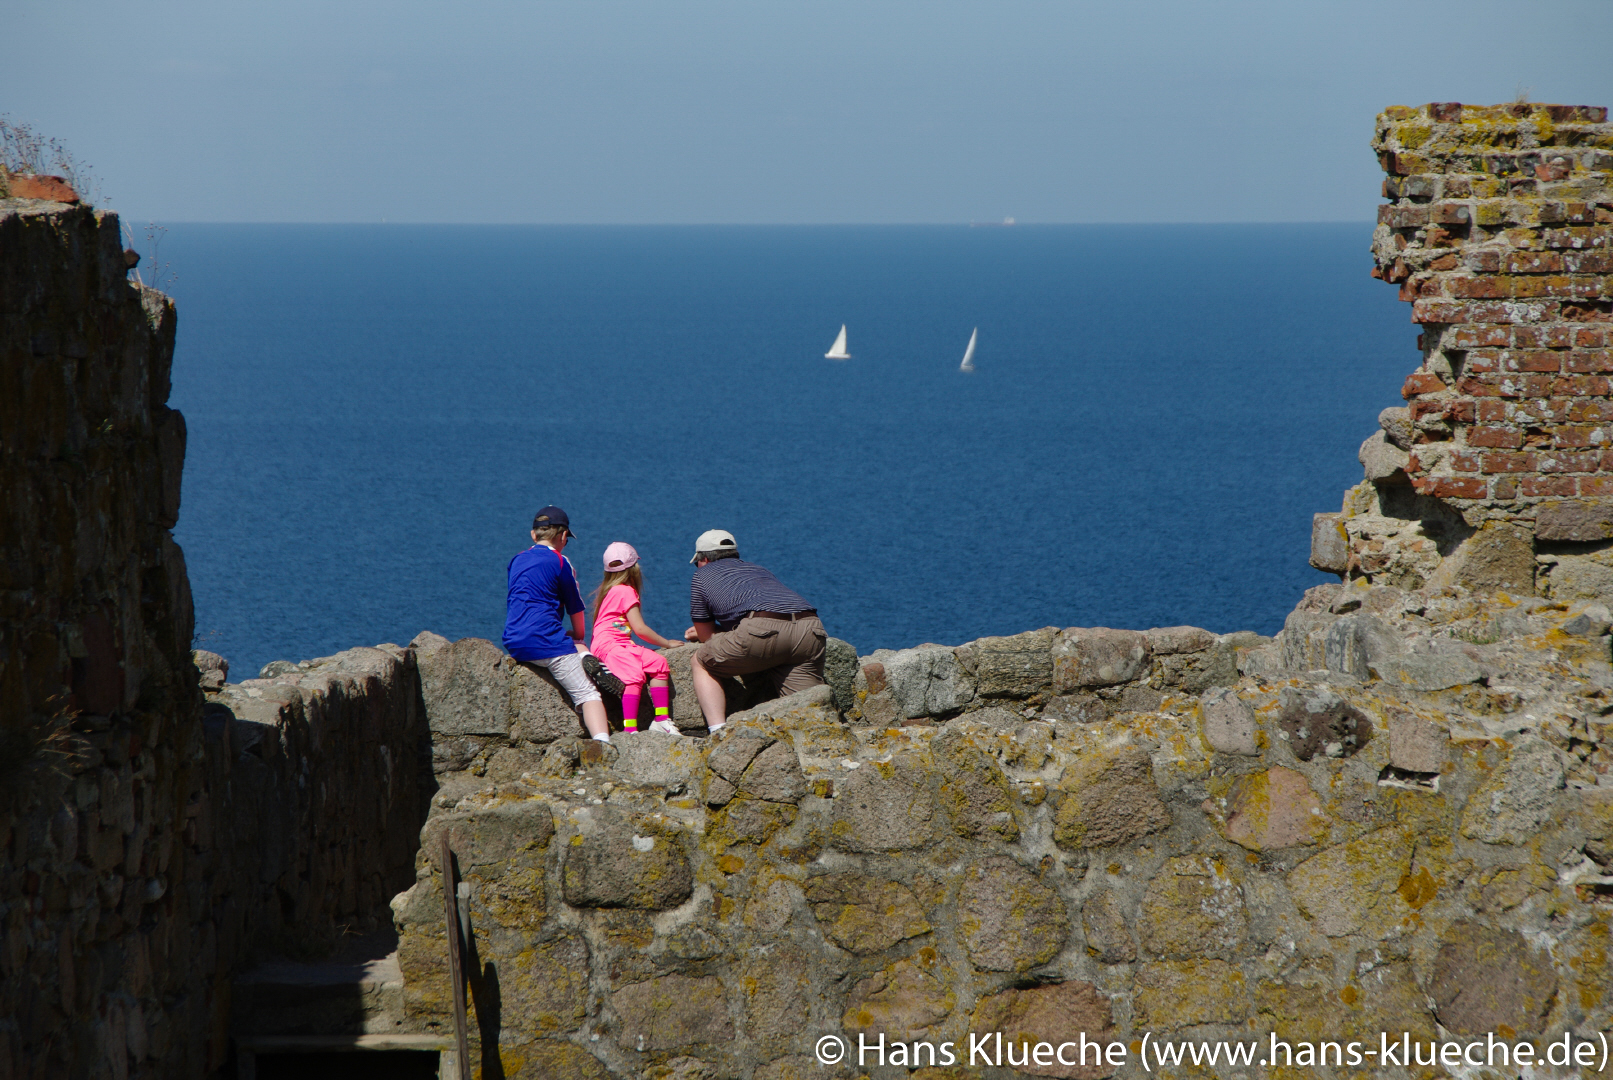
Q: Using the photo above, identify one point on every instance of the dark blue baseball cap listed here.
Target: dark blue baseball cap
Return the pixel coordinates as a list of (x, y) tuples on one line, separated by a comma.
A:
[(552, 515)]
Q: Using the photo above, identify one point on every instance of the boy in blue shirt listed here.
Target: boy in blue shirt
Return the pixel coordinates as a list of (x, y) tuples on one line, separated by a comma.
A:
[(543, 592)]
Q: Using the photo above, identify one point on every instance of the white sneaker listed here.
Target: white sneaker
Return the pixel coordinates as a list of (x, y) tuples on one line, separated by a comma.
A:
[(665, 727)]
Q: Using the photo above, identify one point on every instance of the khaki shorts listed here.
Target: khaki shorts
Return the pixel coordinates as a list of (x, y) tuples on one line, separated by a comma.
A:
[(789, 651)]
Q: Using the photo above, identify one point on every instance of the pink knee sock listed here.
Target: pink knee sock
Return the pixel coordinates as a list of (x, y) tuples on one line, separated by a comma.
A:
[(630, 707), (661, 698)]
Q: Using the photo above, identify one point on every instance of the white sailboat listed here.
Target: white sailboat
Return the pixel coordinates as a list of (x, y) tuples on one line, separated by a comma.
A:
[(837, 351), (969, 353)]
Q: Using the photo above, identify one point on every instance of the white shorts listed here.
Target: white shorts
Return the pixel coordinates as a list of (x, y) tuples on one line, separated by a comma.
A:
[(567, 671)]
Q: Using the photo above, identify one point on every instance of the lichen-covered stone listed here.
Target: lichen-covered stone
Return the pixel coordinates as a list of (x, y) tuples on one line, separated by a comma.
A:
[(551, 1059), (1518, 797), (1103, 921), (1354, 887), (1317, 720), (883, 806), (1416, 744), (1183, 993), (1485, 978), (774, 775), (1020, 666), (927, 681), (672, 1011), (615, 859), (975, 793), (1055, 1014), (905, 1001), (1274, 809), (1193, 908), (1229, 727), (1007, 919), (1108, 798), (544, 988), (1098, 656), (776, 990), (865, 915)]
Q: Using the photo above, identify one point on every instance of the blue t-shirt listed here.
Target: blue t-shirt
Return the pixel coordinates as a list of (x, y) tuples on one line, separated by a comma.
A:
[(543, 593)]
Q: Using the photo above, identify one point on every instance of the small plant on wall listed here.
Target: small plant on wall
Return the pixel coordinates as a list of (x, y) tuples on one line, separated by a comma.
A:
[(23, 152)]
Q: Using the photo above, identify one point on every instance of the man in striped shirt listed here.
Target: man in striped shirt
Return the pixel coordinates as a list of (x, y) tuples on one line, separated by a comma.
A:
[(747, 622)]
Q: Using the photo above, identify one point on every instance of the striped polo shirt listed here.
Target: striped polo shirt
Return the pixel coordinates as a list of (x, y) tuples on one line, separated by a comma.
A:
[(723, 591)]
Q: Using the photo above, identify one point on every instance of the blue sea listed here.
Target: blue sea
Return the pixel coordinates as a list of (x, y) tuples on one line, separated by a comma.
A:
[(375, 413)]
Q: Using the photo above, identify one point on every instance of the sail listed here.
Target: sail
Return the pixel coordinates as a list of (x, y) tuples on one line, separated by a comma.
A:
[(969, 353), (837, 351)]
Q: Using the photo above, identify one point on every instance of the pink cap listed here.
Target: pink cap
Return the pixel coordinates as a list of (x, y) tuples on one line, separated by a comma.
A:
[(619, 556)]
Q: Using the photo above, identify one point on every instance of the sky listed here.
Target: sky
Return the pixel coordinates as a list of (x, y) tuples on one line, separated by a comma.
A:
[(647, 111)]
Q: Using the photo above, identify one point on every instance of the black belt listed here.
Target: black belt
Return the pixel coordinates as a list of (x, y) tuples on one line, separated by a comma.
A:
[(809, 613)]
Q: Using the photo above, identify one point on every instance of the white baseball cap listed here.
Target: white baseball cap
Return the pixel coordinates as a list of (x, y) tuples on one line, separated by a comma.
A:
[(714, 540)]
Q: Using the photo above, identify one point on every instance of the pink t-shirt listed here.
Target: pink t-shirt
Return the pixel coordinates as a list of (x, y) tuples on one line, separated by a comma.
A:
[(610, 625)]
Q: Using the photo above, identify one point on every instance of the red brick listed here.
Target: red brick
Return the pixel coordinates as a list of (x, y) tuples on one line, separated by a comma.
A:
[(1537, 486), (1500, 438), (1499, 462), (1467, 463), (1504, 487), (1483, 386), (1562, 285), (1582, 361), (1477, 288), (1576, 386), (1569, 462), (1589, 337), (1582, 239), (1483, 261), (1402, 216), (1591, 410), (1450, 213), (1462, 410), (1543, 337), (1421, 382), (1457, 487), (1578, 436), (1450, 112), (1482, 362), (1536, 386), (1596, 485), (1588, 262), (1444, 262), (1607, 462), (1490, 411), (1482, 337), (1534, 262), (1532, 360)]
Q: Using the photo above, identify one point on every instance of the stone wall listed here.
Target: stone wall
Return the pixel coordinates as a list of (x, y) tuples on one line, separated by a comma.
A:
[(152, 841), (1370, 824), (1499, 231)]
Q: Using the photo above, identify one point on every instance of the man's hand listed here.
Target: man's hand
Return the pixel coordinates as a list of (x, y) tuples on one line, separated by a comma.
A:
[(690, 635)]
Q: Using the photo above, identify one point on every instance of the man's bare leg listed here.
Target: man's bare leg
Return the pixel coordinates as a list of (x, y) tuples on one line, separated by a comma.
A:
[(709, 692), (593, 717)]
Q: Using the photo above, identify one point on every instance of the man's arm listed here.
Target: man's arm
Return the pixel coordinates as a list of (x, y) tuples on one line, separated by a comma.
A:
[(700, 631)]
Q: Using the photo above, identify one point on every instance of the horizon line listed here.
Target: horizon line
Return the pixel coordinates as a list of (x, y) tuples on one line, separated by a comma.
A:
[(756, 224)]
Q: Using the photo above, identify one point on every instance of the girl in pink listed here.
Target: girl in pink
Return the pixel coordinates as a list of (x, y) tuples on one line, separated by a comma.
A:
[(617, 617)]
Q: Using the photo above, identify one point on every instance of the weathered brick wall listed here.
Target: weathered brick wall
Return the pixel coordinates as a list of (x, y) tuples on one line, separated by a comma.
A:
[(1499, 231), (151, 842)]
